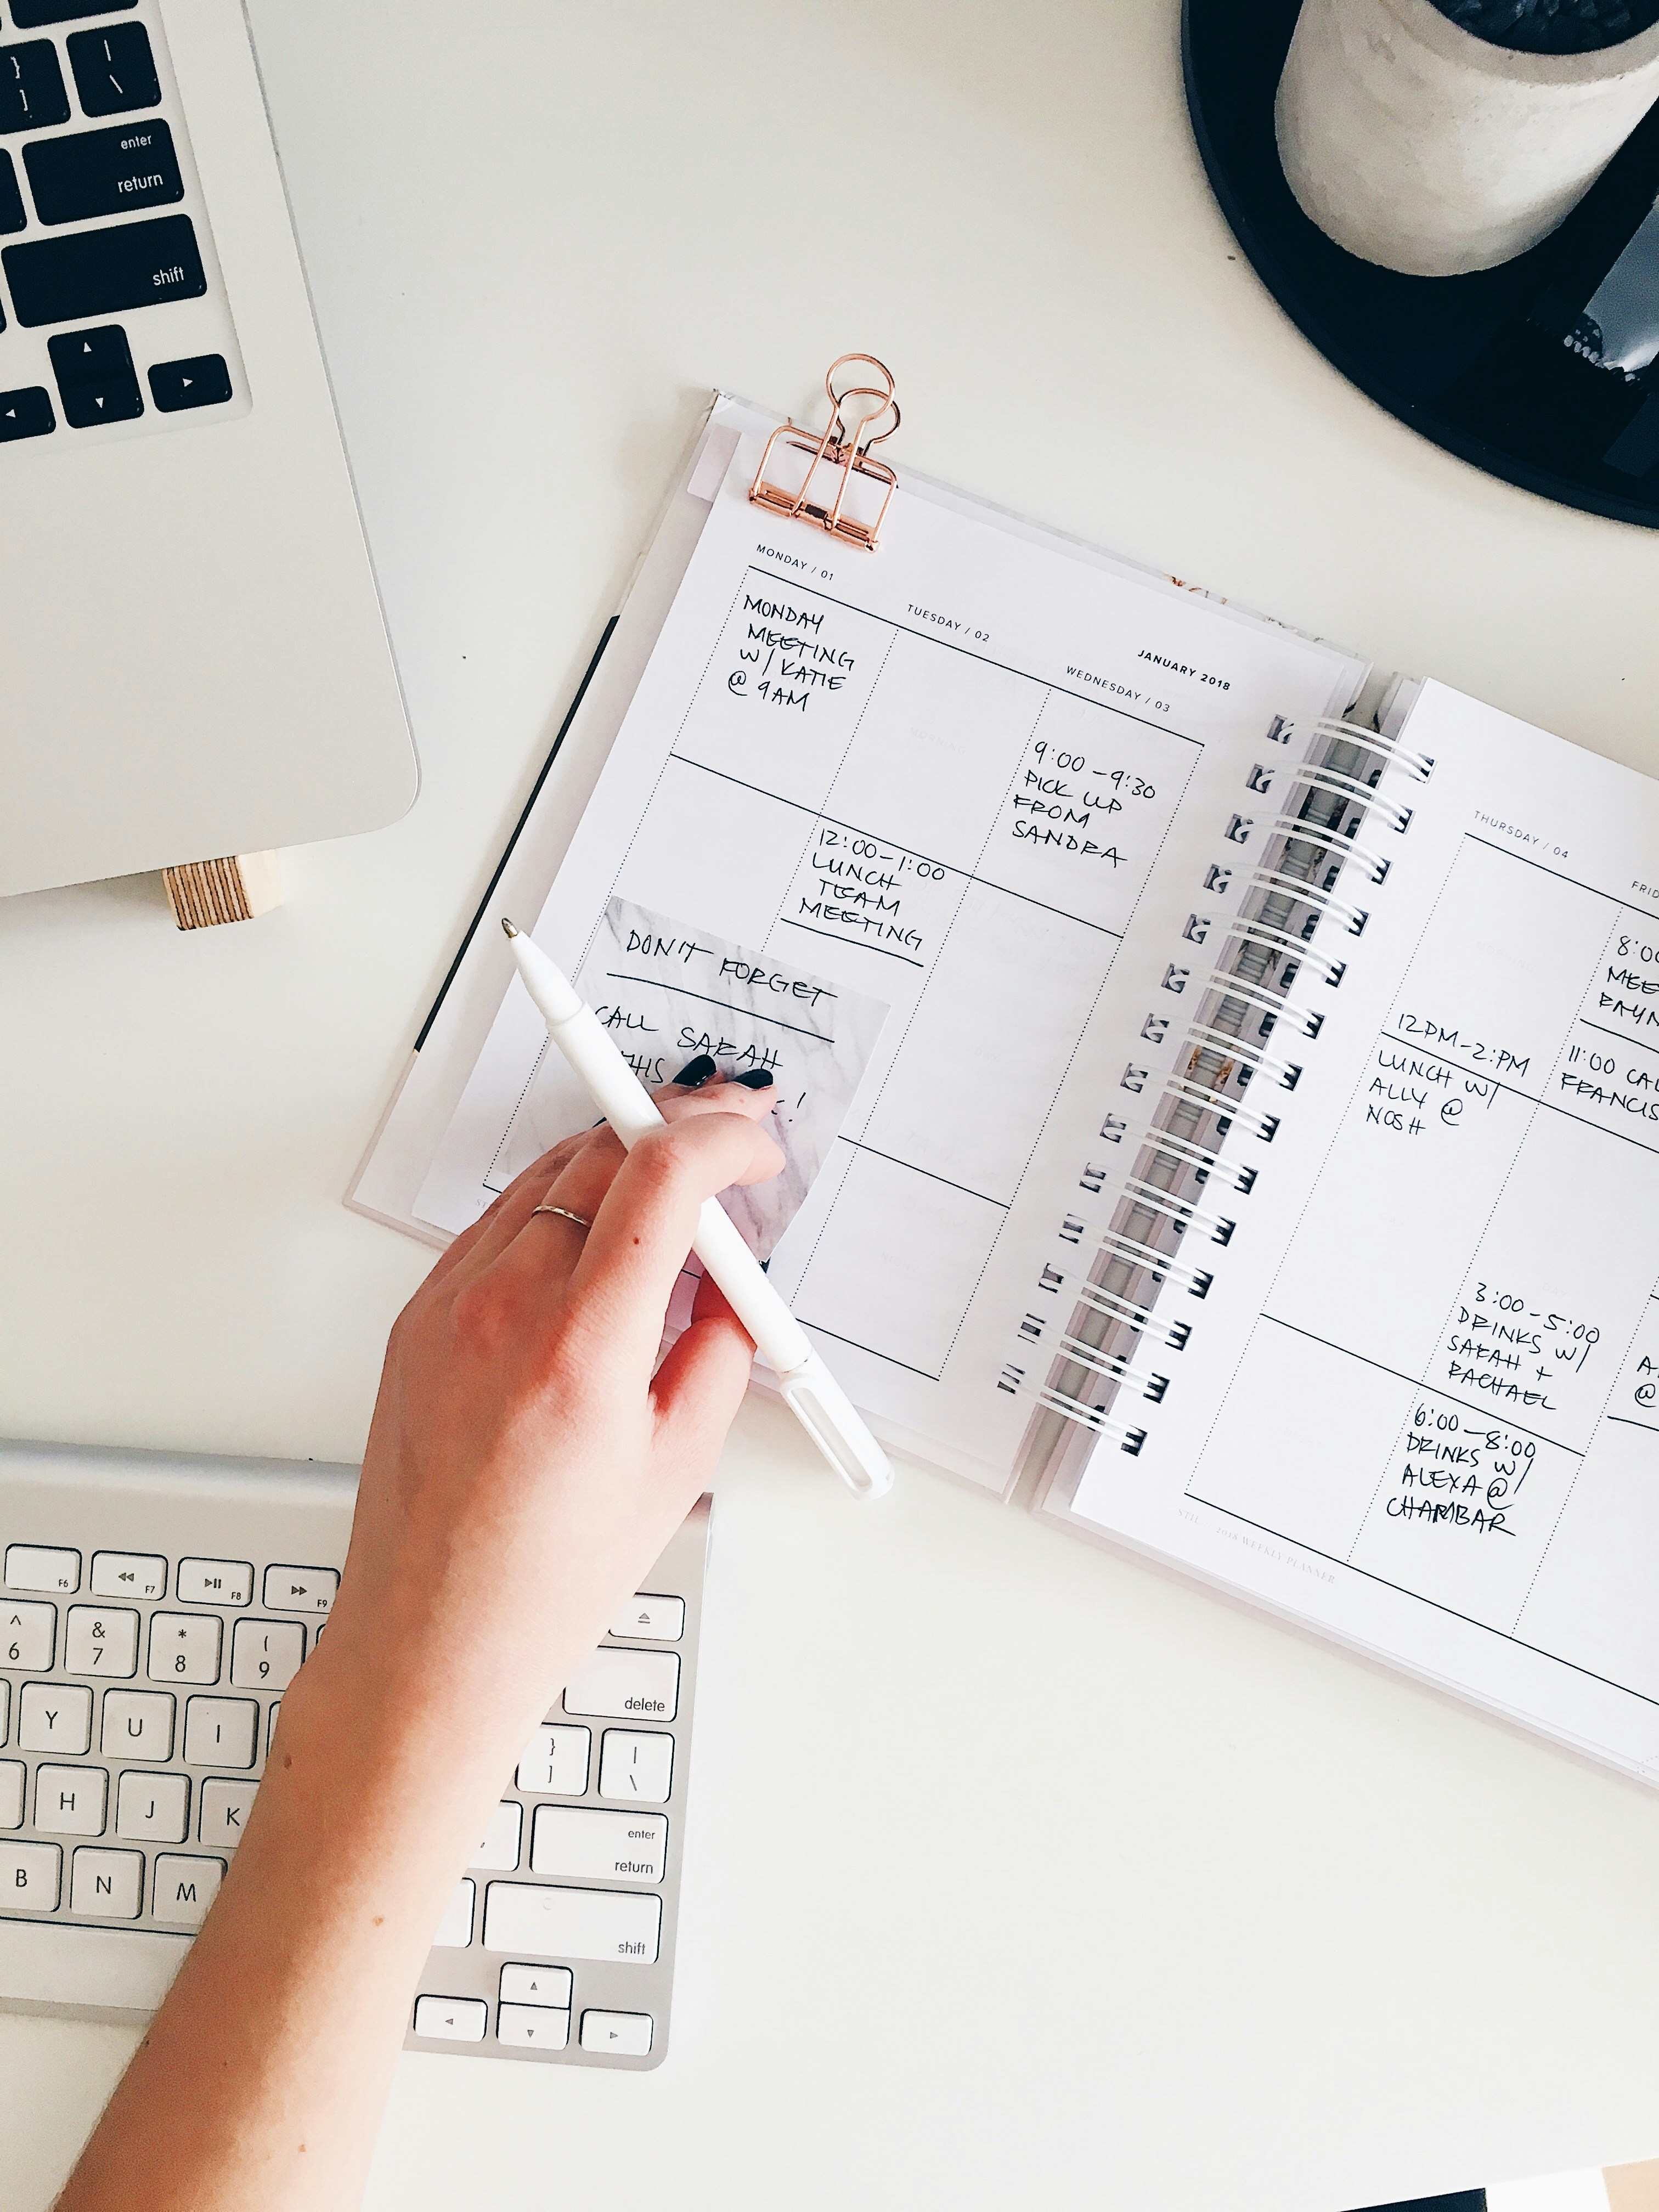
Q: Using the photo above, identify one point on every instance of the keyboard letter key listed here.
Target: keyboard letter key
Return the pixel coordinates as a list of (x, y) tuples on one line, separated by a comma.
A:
[(54, 1716), (455, 1928), (138, 1724), (69, 1800), (225, 1808), (220, 1731), (185, 1887), (13, 1775), (107, 1884), (153, 1808), (29, 1877), (571, 1924)]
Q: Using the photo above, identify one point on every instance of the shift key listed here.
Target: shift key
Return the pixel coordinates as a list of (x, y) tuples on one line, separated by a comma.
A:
[(103, 272)]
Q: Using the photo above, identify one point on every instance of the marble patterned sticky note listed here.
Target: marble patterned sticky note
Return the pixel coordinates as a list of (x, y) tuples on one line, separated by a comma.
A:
[(667, 992)]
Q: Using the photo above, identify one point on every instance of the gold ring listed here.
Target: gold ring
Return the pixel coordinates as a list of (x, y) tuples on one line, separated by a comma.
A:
[(564, 1213)]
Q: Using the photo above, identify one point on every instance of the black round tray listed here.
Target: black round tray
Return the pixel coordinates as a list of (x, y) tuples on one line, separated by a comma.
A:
[(1484, 365)]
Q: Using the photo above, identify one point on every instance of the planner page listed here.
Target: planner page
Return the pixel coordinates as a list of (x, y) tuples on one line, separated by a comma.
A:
[(1419, 1403), (959, 777)]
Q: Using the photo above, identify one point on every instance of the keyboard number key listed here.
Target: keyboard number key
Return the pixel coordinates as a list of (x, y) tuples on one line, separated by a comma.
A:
[(100, 1640), (28, 1633), (265, 1655), (300, 1589), (185, 1647), (220, 1731), (214, 1581), (129, 1575), (554, 1762), (29, 1877), (185, 1887), (42, 1567)]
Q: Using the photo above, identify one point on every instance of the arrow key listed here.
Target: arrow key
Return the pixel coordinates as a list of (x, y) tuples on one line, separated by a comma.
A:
[(618, 2034), (96, 380), (25, 414), (203, 381)]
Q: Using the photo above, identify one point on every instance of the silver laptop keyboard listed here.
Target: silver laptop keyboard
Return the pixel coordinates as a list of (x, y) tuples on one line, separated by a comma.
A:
[(153, 1610), (113, 317)]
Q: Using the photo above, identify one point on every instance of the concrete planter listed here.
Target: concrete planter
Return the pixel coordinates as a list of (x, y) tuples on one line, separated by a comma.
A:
[(1418, 146)]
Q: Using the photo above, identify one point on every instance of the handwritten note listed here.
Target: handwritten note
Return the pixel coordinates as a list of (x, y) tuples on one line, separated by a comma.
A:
[(668, 993)]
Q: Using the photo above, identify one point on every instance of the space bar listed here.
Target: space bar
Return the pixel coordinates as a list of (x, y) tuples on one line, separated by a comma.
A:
[(124, 1969)]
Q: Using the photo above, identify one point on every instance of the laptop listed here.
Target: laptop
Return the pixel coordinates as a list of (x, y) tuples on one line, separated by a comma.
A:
[(195, 661)]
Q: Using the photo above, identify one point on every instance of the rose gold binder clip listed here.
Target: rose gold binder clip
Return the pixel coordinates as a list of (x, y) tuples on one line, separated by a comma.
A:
[(832, 480)]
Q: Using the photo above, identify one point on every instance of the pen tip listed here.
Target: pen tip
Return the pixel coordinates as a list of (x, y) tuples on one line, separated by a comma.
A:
[(508, 928)]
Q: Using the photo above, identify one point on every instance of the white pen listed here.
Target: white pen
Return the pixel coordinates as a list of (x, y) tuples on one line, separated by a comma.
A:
[(810, 1390)]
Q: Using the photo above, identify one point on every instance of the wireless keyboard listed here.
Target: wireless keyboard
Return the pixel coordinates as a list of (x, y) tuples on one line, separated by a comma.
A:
[(115, 321), (153, 1608)]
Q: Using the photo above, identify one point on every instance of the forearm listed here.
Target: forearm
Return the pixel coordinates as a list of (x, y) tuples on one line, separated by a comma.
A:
[(264, 2074)]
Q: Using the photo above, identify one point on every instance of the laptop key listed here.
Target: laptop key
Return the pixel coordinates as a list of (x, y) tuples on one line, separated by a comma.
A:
[(114, 70), (32, 94), (202, 381), (96, 380), (29, 14), (13, 215), (112, 172), (103, 272)]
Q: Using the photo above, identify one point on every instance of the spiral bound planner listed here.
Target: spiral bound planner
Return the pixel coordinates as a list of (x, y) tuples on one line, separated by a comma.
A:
[(1221, 1090)]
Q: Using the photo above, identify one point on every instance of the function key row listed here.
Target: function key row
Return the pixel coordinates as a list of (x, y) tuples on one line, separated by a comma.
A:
[(309, 1590), (114, 72)]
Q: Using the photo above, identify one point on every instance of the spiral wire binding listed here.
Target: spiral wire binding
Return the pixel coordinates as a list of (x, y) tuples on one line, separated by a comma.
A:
[(1179, 1140)]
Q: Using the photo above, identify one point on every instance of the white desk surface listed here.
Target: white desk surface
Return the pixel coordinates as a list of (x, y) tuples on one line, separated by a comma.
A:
[(1021, 1874)]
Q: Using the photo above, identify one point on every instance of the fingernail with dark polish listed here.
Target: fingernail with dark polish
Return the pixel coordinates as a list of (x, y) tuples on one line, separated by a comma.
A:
[(696, 1072), (754, 1078)]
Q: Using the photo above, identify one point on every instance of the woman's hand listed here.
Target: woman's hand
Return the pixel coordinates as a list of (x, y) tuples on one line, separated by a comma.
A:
[(524, 1467)]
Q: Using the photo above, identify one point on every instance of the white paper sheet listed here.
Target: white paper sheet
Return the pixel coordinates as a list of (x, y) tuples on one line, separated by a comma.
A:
[(962, 776), (1420, 1403)]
